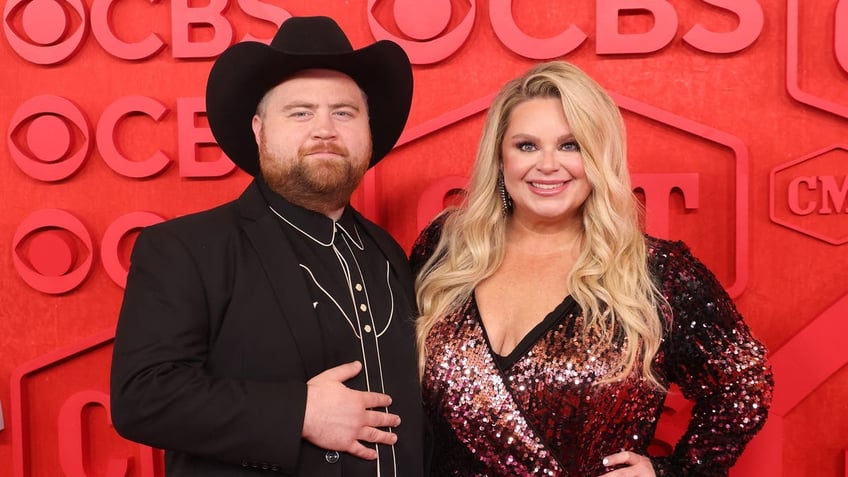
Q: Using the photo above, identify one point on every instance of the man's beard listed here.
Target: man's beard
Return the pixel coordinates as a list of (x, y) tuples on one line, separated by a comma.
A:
[(320, 184)]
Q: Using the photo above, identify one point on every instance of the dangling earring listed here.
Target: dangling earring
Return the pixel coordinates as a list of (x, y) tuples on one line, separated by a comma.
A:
[(506, 200)]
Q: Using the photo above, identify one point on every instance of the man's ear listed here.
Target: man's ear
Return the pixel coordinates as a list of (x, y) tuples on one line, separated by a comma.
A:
[(256, 125)]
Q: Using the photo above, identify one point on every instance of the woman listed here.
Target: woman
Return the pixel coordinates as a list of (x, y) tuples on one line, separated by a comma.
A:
[(551, 326)]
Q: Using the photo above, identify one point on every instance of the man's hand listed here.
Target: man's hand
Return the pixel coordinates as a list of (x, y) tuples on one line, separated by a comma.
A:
[(338, 417)]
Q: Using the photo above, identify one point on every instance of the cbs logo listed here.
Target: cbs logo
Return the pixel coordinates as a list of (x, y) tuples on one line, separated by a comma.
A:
[(47, 32), (431, 31), (53, 251), (49, 139), (51, 31)]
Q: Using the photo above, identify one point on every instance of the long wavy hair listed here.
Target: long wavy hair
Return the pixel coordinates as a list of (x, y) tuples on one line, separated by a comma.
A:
[(610, 280)]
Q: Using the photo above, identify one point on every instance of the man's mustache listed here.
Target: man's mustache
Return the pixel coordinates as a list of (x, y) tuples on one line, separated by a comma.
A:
[(331, 147)]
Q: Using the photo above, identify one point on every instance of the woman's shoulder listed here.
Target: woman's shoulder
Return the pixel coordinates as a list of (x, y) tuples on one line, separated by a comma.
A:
[(683, 278), (427, 241), (664, 254), (673, 264)]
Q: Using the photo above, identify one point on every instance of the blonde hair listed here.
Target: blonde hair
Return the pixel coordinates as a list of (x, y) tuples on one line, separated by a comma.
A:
[(610, 280)]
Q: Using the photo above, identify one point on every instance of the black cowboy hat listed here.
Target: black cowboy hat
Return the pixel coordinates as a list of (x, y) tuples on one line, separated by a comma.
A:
[(244, 72)]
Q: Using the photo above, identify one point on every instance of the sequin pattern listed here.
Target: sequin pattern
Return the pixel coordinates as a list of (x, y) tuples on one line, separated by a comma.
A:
[(546, 415)]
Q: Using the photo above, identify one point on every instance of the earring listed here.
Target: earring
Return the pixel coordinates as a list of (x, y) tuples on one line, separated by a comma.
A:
[(506, 200)]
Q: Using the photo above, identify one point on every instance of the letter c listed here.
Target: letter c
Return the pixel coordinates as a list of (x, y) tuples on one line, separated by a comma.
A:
[(794, 195), (70, 432)]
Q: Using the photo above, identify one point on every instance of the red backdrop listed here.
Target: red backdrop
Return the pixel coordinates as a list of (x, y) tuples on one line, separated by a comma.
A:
[(737, 113)]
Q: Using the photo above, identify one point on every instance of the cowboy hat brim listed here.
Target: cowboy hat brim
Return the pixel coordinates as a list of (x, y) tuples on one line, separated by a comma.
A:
[(244, 72)]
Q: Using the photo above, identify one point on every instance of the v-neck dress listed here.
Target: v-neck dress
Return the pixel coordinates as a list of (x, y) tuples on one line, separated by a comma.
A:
[(541, 411)]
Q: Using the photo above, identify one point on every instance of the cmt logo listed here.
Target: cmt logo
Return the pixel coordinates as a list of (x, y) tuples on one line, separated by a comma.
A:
[(711, 173), (810, 194)]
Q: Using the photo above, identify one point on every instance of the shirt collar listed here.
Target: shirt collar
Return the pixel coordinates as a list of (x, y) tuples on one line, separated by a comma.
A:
[(313, 225)]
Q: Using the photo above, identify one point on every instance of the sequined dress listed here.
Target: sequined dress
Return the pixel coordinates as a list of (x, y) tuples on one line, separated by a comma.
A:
[(538, 411)]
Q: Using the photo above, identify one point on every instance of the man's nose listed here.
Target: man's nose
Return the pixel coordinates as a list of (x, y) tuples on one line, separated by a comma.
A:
[(324, 127)]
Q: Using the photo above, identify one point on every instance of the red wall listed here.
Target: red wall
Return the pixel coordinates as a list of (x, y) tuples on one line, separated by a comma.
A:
[(737, 113)]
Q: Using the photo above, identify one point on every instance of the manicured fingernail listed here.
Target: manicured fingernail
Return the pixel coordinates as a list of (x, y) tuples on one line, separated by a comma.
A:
[(606, 461)]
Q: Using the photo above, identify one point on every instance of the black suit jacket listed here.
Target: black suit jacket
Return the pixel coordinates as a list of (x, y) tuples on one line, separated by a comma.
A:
[(217, 337)]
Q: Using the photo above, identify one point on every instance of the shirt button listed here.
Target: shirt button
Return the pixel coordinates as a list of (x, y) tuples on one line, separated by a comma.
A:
[(358, 287), (331, 457), (367, 328), (363, 307)]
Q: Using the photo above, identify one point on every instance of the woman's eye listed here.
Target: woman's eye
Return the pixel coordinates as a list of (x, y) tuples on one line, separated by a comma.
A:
[(570, 146), (526, 146)]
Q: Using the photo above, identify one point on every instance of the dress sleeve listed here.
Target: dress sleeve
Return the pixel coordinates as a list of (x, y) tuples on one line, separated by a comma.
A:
[(718, 364)]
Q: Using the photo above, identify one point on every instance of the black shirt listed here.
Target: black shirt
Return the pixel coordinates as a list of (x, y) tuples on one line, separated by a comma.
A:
[(363, 312)]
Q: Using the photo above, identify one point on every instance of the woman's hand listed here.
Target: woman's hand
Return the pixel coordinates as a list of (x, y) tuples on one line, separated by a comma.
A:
[(630, 464)]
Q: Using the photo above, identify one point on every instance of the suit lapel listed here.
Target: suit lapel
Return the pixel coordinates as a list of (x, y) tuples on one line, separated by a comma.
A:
[(283, 272)]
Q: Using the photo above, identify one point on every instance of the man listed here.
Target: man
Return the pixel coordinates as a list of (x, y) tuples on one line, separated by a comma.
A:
[(275, 332)]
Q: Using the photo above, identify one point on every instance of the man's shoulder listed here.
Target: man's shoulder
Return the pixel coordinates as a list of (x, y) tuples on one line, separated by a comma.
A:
[(207, 235), (216, 220), (200, 222)]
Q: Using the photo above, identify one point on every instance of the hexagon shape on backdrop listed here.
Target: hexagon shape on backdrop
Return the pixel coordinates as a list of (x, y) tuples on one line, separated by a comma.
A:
[(810, 194), (678, 125), (60, 407), (823, 96)]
